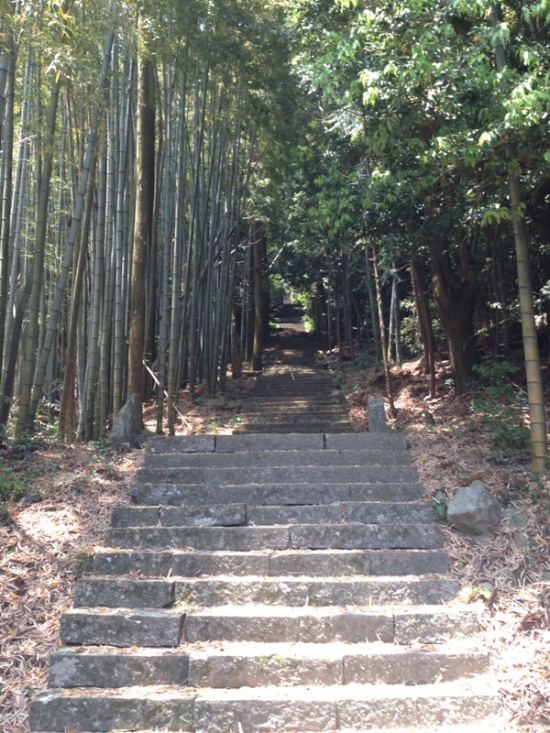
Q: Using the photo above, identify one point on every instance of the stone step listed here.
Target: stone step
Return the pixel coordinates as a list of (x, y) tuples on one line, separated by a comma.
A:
[(276, 458), (128, 628), (303, 591), (273, 494), (315, 563), (230, 515), (300, 536), (279, 475), (111, 592), (322, 625), (270, 709), (262, 664), (110, 667), (284, 428), (164, 628), (124, 593), (326, 422), (263, 442), (493, 723), (312, 407)]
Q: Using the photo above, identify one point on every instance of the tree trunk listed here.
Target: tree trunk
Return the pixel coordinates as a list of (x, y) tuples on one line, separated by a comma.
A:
[(455, 297), (257, 351), (535, 390), (387, 370), (424, 321), (145, 171)]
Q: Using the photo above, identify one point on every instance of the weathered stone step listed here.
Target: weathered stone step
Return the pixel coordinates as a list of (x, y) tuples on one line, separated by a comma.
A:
[(128, 628), (275, 458), (267, 441), (110, 592), (279, 475), (284, 428), (124, 593), (303, 591), (420, 625), (111, 667), (282, 537), (229, 515), (165, 628), (262, 664), (273, 494), (353, 706), (329, 420), (493, 723), (314, 563), (332, 406), (270, 709), (129, 708)]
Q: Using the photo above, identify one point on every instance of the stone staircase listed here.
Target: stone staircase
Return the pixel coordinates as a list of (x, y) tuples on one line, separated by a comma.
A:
[(291, 395), (269, 583)]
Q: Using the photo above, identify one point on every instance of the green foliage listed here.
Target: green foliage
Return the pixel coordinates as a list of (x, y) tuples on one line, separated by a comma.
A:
[(500, 404), (440, 504)]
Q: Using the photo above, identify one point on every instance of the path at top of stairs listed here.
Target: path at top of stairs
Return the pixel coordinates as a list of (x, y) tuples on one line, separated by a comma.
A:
[(271, 582), (292, 395)]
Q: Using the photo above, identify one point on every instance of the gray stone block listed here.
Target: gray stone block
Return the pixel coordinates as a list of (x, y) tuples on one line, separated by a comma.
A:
[(384, 513), (309, 514), (408, 562), (128, 424), (63, 711), (222, 515), (127, 516), (431, 705), (132, 628), (405, 591), (253, 714), (413, 667), (367, 441), (307, 625), (148, 563), (318, 563), (237, 443), (377, 415), (331, 593), (274, 494), (358, 536), (170, 475), (221, 592), (87, 668), (226, 670), (290, 475), (123, 593), (196, 564), (181, 444), (427, 626), (362, 491), (240, 539), (474, 510)]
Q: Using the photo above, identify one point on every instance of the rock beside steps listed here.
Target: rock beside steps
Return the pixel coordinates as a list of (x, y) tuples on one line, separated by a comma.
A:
[(269, 583)]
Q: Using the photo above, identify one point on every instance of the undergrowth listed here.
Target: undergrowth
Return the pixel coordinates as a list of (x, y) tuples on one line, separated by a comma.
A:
[(500, 405)]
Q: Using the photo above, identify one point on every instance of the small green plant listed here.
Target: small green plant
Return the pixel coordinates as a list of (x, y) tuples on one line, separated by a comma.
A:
[(500, 405), (13, 484), (441, 504), (102, 445)]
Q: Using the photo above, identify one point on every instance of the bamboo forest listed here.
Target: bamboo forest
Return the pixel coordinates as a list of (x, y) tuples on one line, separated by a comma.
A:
[(169, 168)]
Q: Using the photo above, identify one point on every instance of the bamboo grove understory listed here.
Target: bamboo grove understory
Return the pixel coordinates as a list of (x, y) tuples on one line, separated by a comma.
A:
[(167, 168)]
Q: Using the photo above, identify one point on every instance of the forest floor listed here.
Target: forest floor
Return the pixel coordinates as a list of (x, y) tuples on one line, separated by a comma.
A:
[(65, 494)]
